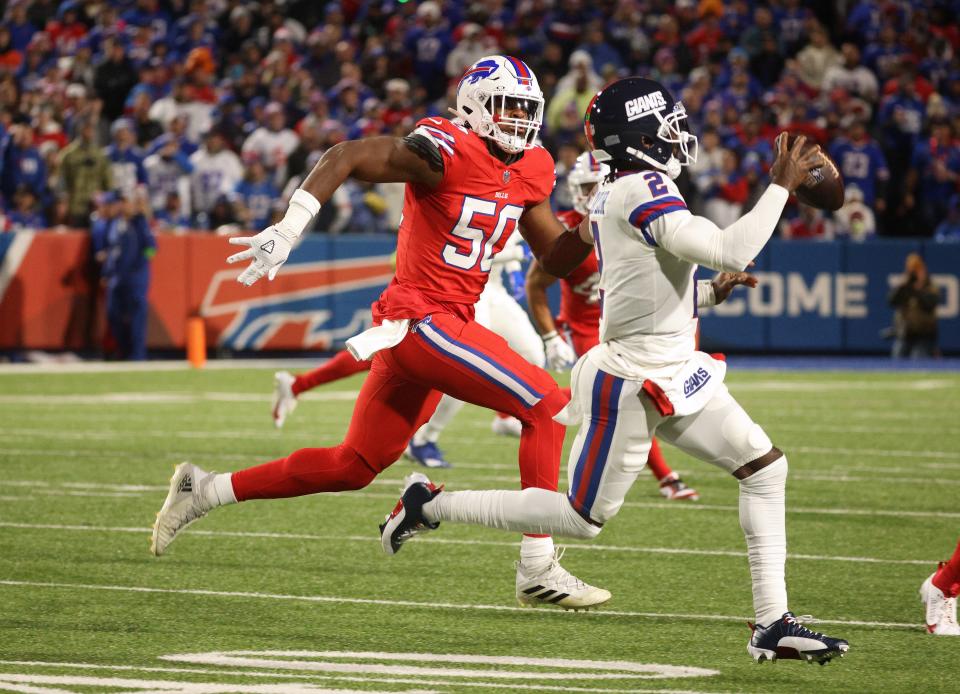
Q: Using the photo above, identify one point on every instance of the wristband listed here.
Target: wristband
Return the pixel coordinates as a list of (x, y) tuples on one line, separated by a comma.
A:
[(549, 336), (303, 208)]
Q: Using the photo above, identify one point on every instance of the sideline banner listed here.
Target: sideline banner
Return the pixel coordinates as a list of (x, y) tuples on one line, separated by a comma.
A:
[(813, 297)]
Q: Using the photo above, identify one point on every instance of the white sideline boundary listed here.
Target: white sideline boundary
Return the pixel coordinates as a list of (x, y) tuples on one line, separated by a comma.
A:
[(446, 541), (330, 599)]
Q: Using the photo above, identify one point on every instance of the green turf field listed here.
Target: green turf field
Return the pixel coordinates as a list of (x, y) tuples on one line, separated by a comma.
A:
[(296, 595)]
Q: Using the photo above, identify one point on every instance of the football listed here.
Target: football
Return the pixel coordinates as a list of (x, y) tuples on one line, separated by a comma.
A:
[(823, 189)]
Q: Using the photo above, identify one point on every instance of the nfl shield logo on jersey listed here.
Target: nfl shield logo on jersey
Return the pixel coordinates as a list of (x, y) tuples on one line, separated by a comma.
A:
[(506, 176)]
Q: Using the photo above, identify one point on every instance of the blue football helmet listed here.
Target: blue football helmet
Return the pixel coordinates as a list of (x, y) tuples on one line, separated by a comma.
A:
[(636, 121)]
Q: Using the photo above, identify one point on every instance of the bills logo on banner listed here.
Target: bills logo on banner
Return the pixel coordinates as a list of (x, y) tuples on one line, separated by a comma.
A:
[(310, 305)]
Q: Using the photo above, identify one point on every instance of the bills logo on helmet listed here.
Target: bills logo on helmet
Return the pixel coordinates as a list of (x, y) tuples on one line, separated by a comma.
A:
[(481, 70), (644, 105)]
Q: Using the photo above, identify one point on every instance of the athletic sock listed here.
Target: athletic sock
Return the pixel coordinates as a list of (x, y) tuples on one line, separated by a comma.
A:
[(656, 462), (536, 554), (762, 511), (340, 365), (947, 578), (219, 492)]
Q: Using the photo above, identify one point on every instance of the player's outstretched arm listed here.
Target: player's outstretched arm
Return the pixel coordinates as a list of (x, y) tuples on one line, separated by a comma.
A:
[(558, 251), (538, 281), (375, 159), (559, 353), (699, 240)]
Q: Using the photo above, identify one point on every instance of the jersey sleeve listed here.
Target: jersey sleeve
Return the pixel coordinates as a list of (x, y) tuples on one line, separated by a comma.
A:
[(442, 141), (654, 206)]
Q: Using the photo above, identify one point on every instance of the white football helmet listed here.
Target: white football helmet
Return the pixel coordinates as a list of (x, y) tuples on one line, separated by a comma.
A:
[(586, 173), (492, 86)]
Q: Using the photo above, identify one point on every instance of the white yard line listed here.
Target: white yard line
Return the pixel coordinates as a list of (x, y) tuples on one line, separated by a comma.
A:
[(843, 385), (329, 676), (162, 398), (424, 605), (445, 541), (161, 365)]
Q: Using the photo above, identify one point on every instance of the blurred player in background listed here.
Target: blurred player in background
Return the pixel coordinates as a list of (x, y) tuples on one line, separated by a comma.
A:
[(939, 596), (471, 183), (646, 376), (497, 309), (580, 311)]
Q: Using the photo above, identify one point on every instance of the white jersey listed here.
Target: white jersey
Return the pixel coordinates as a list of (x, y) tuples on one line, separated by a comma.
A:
[(648, 294), (509, 259), (213, 175)]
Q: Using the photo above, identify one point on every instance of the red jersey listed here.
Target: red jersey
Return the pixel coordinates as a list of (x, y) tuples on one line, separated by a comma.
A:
[(449, 235), (580, 291)]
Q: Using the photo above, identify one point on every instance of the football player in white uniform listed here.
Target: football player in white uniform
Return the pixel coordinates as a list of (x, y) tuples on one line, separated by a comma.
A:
[(646, 376)]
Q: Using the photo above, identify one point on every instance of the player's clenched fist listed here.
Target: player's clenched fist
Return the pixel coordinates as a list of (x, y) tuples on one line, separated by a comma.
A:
[(559, 353), (269, 250)]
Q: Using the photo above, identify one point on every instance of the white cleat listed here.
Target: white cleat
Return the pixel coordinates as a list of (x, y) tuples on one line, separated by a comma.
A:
[(557, 586), (284, 401), (941, 611), (184, 504), (507, 426)]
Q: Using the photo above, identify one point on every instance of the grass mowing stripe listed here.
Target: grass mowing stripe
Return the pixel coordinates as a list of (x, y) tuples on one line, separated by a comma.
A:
[(428, 605), (443, 541)]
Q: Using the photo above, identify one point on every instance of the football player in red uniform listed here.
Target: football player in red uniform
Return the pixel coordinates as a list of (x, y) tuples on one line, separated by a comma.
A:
[(579, 316), (471, 182)]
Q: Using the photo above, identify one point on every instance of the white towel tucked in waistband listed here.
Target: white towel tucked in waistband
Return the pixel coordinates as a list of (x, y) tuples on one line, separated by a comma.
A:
[(388, 334)]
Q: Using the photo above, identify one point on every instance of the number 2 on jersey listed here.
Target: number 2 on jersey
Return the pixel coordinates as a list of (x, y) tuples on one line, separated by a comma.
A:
[(655, 181), (481, 247)]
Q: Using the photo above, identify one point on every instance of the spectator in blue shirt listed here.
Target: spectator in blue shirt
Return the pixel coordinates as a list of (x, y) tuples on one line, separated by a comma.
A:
[(255, 194), (948, 231), (26, 214), (862, 162), (21, 28), (126, 159), (429, 43), (934, 176), (596, 45), (148, 13), (23, 165)]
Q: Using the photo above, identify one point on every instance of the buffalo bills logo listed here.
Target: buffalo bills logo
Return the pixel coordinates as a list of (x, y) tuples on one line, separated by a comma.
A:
[(480, 71)]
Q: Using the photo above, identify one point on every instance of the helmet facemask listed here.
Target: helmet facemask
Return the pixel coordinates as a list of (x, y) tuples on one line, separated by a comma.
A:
[(683, 143), (687, 146), (511, 133)]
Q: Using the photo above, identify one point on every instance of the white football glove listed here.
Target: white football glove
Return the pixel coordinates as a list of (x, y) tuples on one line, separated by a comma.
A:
[(268, 249), (560, 355)]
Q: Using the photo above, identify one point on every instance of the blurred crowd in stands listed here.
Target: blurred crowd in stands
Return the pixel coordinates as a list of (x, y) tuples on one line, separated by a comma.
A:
[(215, 110)]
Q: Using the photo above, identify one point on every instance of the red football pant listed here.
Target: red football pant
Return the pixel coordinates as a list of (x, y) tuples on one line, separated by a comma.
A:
[(947, 578), (340, 365), (443, 353)]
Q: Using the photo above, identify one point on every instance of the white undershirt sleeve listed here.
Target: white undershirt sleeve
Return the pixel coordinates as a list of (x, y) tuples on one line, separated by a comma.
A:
[(698, 240)]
